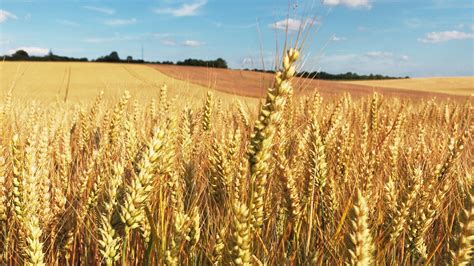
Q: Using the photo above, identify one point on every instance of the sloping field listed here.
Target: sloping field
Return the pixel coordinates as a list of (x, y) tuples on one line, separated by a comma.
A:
[(450, 85), (57, 81), (254, 84), (51, 81)]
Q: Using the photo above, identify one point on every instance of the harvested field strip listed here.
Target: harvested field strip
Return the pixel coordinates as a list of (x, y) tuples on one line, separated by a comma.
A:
[(254, 84)]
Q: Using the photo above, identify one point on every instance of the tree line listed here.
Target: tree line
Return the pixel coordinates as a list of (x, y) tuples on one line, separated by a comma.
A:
[(345, 76), (327, 76), (218, 63), (113, 57), (22, 55)]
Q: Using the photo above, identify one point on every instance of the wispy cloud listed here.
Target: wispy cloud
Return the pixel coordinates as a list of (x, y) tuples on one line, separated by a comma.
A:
[(120, 22), (39, 51), (5, 15), (290, 24), (193, 43), (338, 38), (220, 24), (444, 36), (414, 23), (103, 10), (440, 5), (4, 41), (349, 3), (160, 35), (168, 42), (186, 9), (172, 39), (379, 54), (116, 38)]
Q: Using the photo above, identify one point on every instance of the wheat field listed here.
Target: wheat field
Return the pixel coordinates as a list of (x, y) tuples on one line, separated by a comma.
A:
[(50, 82), (300, 180), (449, 85)]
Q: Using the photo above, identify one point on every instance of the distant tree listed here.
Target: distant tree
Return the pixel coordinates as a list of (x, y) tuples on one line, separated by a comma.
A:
[(20, 54), (114, 57), (129, 58), (220, 63), (50, 56)]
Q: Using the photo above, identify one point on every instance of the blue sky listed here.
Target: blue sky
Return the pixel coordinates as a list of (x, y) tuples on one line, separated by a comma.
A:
[(404, 37)]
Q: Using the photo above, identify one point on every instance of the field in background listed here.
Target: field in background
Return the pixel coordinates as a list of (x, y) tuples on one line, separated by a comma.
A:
[(51, 81), (254, 84), (450, 85), (55, 81)]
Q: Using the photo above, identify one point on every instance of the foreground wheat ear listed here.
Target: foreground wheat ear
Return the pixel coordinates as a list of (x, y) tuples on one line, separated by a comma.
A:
[(360, 240), (264, 130), (302, 179), (462, 253)]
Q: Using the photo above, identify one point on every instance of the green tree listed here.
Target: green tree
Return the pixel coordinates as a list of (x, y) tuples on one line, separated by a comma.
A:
[(20, 54), (220, 63), (114, 57)]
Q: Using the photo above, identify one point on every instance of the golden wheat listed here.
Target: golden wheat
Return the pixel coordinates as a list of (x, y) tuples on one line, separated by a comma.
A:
[(213, 182)]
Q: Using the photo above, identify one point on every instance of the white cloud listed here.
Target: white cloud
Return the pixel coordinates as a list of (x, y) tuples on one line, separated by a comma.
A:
[(444, 36), (184, 10), (338, 39), (31, 50), (349, 3), (380, 62), (291, 24), (379, 54), (168, 42), (4, 15), (103, 10), (120, 22), (193, 43)]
